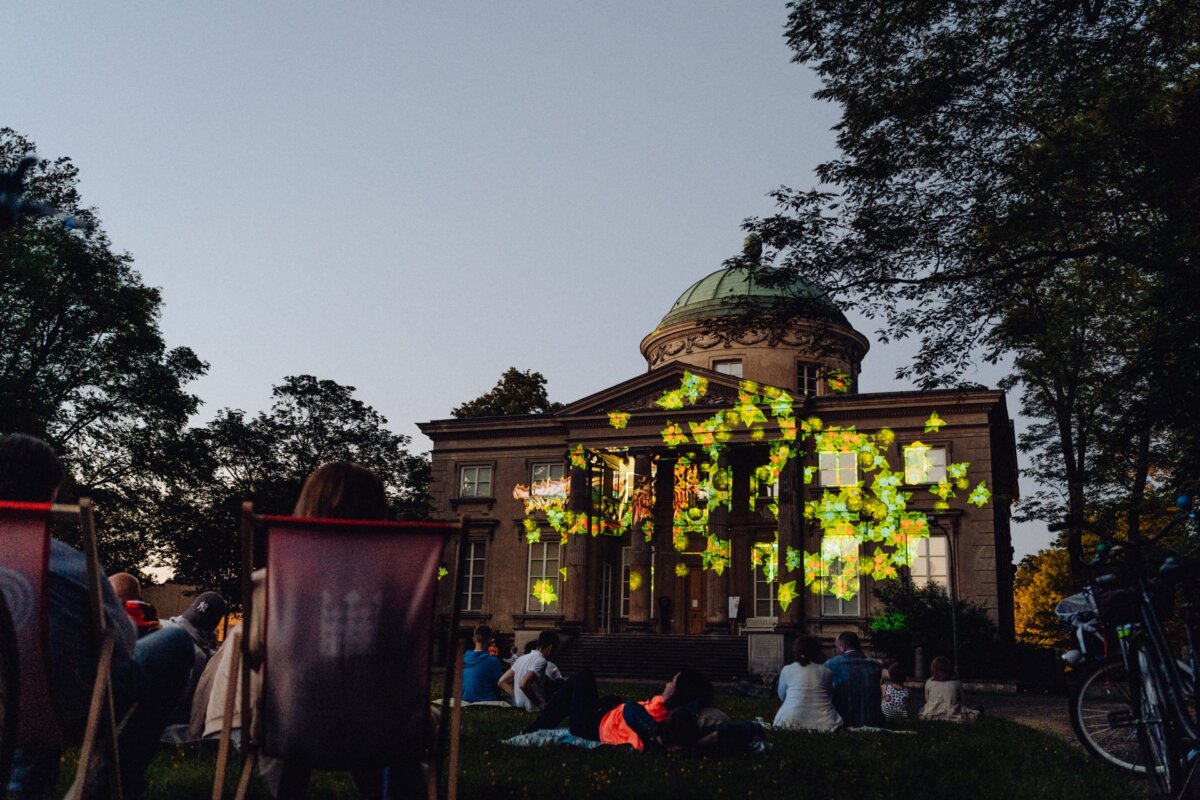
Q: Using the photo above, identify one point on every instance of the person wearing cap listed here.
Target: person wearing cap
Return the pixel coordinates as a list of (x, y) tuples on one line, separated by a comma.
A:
[(200, 621)]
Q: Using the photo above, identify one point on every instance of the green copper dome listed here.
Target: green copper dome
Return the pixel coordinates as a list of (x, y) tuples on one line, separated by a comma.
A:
[(719, 294)]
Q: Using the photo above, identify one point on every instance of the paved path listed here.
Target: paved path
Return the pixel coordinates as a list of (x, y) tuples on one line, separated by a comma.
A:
[(1045, 712)]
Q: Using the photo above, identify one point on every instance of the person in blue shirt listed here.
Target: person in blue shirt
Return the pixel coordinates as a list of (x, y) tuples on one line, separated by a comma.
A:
[(150, 673), (856, 693), (481, 670)]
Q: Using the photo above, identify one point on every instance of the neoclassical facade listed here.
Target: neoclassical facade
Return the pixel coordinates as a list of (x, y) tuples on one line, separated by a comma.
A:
[(653, 505)]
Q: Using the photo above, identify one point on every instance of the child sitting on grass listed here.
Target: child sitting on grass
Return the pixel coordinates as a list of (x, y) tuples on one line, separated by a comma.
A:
[(896, 700), (944, 695)]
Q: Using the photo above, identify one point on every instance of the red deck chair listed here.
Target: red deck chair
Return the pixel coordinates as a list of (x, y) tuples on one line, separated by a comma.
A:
[(24, 563), (348, 638)]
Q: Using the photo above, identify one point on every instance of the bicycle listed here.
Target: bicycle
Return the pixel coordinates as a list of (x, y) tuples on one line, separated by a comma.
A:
[(1135, 709)]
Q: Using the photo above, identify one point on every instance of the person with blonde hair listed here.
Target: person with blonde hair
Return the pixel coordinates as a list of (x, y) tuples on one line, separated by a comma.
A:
[(944, 695)]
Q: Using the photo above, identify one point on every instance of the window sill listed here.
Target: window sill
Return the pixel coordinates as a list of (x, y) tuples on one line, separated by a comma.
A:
[(472, 501)]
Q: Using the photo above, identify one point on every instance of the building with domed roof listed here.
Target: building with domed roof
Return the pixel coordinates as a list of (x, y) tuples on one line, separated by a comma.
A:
[(741, 485)]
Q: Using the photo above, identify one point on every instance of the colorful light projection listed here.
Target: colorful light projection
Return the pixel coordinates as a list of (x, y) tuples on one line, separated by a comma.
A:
[(868, 512)]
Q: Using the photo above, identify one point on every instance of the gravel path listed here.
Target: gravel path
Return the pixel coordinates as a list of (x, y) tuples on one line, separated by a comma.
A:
[(1045, 712)]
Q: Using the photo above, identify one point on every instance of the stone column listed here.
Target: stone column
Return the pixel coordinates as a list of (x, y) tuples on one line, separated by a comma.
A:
[(574, 589), (716, 612), (639, 548), (664, 518), (791, 534)]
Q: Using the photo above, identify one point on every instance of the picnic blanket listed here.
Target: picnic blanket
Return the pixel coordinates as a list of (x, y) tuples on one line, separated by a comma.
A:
[(550, 736)]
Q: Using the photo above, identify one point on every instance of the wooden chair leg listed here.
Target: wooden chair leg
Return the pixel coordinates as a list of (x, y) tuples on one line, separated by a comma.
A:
[(95, 712), (455, 728), (235, 661), (247, 771)]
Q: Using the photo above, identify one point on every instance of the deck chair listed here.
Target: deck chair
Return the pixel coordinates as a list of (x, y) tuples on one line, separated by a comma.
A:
[(348, 633), (24, 564)]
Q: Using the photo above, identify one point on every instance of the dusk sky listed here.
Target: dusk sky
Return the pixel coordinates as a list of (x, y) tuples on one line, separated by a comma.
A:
[(412, 197)]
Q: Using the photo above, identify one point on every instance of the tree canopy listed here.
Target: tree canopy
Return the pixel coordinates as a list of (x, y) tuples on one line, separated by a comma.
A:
[(83, 363), (266, 459), (516, 393), (1018, 183)]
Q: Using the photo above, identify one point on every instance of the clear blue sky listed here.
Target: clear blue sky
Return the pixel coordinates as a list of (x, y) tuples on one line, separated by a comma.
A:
[(412, 197)]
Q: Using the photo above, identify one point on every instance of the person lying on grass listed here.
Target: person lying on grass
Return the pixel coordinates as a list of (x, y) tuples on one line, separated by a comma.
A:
[(665, 721)]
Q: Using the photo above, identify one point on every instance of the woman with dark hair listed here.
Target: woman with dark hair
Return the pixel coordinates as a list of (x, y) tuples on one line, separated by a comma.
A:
[(806, 689), (338, 490)]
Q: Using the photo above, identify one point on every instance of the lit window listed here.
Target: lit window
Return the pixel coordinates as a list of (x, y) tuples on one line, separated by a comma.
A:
[(838, 553), (473, 563), (930, 564), (839, 469), (543, 569), (924, 464), (551, 471), (731, 367), (625, 582), (806, 379), (765, 604), (476, 482)]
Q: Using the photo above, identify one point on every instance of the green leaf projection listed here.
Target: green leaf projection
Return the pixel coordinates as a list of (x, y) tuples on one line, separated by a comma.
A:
[(861, 506)]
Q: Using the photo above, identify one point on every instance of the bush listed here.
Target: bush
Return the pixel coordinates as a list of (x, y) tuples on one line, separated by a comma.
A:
[(921, 617)]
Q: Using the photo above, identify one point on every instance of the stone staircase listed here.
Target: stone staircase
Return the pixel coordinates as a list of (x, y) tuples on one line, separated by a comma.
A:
[(654, 657)]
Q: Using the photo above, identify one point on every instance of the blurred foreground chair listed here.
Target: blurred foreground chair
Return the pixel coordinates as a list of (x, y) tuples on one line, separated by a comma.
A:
[(348, 634), (30, 717)]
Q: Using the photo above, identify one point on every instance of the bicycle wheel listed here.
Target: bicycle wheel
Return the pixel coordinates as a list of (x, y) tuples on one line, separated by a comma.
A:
[(1102, 715), (1155, 729)]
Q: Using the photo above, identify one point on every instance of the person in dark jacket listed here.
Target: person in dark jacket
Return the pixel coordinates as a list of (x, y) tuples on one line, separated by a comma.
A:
[(856, 693)]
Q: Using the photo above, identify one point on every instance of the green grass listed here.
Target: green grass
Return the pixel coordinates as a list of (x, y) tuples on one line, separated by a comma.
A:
[(991, 759)]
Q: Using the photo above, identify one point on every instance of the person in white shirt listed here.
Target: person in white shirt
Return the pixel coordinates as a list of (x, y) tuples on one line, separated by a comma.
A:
[(806, 689), (524, 681)]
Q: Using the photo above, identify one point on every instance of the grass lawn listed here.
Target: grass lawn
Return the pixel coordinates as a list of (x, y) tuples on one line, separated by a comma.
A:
[(991, 759)]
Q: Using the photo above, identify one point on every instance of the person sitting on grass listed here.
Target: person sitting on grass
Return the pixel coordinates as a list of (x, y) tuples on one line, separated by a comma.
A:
[(148, 674), (896, 700), (806, 689), (944, 695), (481, 669), (856, 678), (665, 721), (532, 674)]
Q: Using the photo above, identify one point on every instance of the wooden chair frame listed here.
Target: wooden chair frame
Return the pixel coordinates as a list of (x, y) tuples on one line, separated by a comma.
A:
[(101, 728), (251, 739)]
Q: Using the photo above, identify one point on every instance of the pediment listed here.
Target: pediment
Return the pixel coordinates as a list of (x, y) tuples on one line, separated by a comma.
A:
[(643, 392)]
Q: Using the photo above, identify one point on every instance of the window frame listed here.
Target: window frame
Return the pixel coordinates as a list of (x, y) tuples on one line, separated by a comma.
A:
[(838, 468), (840, 610), (462, 469), (928, 556), (717, 363), (625, 592), (944, 447), (772, 599), (469, 565), (811, 376), (532, 604)]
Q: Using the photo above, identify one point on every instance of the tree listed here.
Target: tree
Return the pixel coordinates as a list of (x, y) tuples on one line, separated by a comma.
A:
[(83, 363), (1016, 184), (266, 459), (516, 393), (1043, 580)]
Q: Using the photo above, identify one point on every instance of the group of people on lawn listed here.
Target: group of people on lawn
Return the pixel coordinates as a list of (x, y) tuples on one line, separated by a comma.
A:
[(850, 690), (168, 672)]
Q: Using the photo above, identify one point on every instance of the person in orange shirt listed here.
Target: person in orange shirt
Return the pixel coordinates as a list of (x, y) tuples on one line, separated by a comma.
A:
[(665, 721)]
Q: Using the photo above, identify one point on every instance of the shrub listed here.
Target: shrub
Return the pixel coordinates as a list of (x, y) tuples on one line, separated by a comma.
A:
[(921, 617)]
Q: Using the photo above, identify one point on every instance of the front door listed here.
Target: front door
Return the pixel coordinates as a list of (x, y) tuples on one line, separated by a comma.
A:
[(696, 585)]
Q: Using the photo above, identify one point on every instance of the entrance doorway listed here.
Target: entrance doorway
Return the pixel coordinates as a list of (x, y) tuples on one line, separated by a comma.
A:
[(696, 595)]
